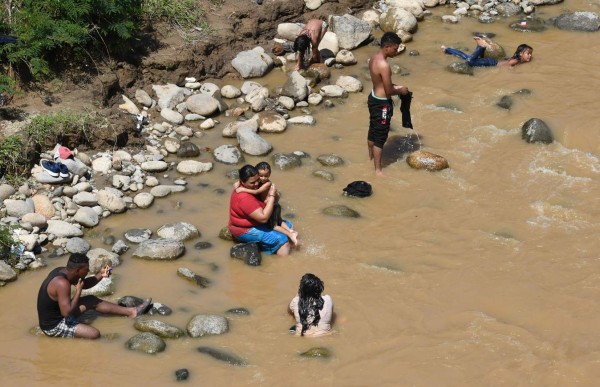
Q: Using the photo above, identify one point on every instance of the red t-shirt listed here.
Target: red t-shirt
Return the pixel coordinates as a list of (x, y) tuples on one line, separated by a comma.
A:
[(241, 206)]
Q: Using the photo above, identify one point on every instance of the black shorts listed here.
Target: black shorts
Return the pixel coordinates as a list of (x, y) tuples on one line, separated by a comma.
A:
[(380, 116)]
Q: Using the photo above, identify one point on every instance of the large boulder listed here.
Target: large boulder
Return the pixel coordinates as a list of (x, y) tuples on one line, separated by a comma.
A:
[(159, 249), (350, 30), (271, 122), (62, 229), (416, 7), (252, 63), (202, 104), (398, 19), (536, 130), (578, 21), (7, 274), (18, 208), (296, 87), (253, 144), (426, 160), (228, 154), (181, 231), (289, 31), (112, 200), (193, 167), (169, 95)]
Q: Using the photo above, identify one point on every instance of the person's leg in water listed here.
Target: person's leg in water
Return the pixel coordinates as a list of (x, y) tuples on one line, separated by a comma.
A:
[(277, 224), (86, 303), (476, 59)]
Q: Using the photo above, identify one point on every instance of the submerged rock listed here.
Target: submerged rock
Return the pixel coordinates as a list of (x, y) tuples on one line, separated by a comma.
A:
[(222, 355), (341, 211), (286, 161), (146, 342), (426, 160), (330, 160), (182, 374), (159, 249), (189, 275), (460, 68), (505, 102), (238, 311), (247, 252), (317, 352)]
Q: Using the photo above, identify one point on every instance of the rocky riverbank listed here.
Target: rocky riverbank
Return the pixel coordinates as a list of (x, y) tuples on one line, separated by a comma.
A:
[(49, 216)]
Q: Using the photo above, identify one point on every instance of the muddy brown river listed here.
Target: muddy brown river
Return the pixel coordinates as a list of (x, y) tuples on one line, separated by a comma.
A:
[(487, 273)]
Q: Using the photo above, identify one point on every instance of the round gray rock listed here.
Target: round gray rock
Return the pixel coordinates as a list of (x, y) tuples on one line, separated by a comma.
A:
[(159, 249), (146, 342), (179, 231), (206, 324)]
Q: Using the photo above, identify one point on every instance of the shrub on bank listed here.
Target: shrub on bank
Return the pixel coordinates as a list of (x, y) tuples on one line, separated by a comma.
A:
[(8, 246)]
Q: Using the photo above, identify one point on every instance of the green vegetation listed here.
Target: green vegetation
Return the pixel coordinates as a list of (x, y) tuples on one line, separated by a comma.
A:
[(7, 243), (12, 158), (183, 13), (65, 127), (51, 33), (18, 152)]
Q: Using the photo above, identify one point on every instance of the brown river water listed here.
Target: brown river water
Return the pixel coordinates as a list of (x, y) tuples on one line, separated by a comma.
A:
[(487, 273)]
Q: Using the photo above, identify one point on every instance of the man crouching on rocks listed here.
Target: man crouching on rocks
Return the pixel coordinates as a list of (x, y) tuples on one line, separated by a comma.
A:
[(57, 311)]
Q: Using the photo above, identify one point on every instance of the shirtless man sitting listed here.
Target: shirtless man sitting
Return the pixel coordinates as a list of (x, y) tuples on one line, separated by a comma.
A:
[(57, 311), (381, 107)]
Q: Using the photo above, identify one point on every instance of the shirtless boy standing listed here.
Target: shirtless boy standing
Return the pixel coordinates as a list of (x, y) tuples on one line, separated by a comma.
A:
[(381, 107)]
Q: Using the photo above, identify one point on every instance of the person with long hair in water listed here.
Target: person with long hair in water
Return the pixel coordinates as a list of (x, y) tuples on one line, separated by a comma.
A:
[(306, 45), (312, 310)]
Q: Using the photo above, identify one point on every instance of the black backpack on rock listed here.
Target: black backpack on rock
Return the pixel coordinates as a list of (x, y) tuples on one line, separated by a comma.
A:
[(359, 189)]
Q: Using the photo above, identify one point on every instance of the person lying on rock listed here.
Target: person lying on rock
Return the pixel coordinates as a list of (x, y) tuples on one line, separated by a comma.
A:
[(523, 54), (306, 45), (249, 215), (58, 312)]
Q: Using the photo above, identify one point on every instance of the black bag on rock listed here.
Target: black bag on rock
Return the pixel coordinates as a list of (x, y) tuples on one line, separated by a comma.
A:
[(359, 189)]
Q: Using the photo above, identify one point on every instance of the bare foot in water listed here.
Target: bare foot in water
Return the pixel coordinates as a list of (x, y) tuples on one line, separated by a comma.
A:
[(142, 308), (443, 48), (294, 237)]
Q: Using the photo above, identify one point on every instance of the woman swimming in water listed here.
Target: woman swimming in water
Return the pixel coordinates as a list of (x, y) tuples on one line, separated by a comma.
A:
[(523, 54)]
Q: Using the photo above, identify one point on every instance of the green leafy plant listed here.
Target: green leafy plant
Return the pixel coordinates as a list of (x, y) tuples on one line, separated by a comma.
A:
[(65, 127), (52, 34), (8, 245), (13, 160), (183, 13)]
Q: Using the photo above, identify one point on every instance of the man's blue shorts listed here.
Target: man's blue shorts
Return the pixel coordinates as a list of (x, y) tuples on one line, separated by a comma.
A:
[(268, 239)]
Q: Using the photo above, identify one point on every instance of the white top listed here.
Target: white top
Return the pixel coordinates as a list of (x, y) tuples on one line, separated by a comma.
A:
[(324, 326)]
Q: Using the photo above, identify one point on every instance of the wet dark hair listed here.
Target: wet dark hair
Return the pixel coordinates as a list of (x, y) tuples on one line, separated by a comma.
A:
[(302, 46), (77, 260), (263, 166), (389, 38), (520, 50), (246, 172), (310, 301)]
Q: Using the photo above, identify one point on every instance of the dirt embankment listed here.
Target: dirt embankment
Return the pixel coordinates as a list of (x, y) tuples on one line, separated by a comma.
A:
[(167, 55)]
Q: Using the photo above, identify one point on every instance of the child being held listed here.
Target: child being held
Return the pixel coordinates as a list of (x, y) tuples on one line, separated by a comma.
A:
[(275, 221)]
